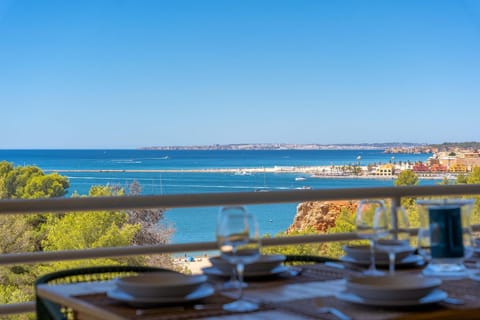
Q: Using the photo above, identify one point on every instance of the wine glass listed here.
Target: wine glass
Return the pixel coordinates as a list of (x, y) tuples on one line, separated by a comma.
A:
[(233, 282), (397, 240), (239, 242), (371, 223)]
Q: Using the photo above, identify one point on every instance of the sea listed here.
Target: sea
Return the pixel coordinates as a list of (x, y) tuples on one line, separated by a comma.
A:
[(85, 168)]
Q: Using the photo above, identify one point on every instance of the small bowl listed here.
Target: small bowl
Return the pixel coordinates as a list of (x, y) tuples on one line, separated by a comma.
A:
[(265, 264), (160, 284), (393, 287), (361, 253)]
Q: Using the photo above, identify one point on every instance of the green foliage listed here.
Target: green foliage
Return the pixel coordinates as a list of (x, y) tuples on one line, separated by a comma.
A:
[(297, 249), (16, 281), (344, 223), (474, 178), (105, 191), (46, 186), (87, 230), (17, 234), (82, 230), (472, 145), (407, 178), (14, 294), (30, 182), (72, 231), (461, 179)]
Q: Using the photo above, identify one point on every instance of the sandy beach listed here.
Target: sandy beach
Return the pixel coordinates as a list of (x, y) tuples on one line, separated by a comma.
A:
[(194, 266)]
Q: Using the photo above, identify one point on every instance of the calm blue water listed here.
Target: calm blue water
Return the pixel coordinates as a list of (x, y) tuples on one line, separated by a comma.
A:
[(197, 224)]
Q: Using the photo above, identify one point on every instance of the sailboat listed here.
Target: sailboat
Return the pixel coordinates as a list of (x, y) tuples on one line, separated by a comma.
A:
[(300, 179), (264, 189)]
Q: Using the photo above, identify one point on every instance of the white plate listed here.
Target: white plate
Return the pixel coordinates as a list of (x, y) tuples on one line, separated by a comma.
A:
[(203, 291), (393, 287), (475, 275), (407, 261), (362, 252), (433, 297), (154, 284), (212, 271), (264, 264)]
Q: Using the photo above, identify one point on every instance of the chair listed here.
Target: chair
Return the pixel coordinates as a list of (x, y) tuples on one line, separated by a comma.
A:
[(47, 310)]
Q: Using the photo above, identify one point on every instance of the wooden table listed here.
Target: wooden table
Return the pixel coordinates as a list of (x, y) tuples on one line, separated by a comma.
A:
[(282, 297)]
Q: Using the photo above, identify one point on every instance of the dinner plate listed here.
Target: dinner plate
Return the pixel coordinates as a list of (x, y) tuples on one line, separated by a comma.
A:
[(362, 252), (393, 287), (151, 284), (475, 275), (212, 271), (264, 264), (433, 297), (410, 260), (203, 291)]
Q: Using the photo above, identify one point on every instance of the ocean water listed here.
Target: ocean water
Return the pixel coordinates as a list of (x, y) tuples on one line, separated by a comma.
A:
[(198, 224)]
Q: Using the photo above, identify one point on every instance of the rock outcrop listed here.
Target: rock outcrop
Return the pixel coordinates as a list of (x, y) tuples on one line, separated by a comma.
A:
[(319, 215)]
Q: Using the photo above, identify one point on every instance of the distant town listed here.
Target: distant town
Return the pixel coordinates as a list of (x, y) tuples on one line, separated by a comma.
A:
[(290, 146), (448, 159)]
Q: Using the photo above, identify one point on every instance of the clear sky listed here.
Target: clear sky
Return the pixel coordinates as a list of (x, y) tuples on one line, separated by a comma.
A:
[(132, 73)]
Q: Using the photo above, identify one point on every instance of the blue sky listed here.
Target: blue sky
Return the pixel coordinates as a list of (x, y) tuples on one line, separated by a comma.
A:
[(126, 74)]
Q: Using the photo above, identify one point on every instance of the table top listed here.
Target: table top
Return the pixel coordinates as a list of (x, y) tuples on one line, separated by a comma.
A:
[(292, 295)]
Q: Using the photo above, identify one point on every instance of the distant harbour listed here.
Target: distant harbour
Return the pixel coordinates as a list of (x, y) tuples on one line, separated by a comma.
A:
[(318, 172)]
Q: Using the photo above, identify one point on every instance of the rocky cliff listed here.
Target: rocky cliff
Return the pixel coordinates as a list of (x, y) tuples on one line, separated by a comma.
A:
[(319, 215)]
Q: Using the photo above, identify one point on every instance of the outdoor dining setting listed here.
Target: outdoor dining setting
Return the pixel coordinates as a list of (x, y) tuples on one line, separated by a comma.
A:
[(425, 273)]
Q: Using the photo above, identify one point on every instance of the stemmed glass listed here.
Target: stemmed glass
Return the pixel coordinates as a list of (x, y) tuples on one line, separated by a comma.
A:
[(371, 223), (233, 282), (397, 240), (239, 243)]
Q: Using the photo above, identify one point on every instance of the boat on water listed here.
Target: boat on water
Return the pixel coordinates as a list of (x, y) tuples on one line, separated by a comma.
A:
[(304, 188), (300, 179), (242, 173)]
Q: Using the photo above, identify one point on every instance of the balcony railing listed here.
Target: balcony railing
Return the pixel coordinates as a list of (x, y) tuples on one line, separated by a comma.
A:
[(35, 206)]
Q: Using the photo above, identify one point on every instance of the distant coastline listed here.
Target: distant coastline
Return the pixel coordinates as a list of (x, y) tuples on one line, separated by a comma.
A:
[(387, 147), (406, 146)]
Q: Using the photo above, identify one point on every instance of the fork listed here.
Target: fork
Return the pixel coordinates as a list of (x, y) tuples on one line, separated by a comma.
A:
[(334, 311)]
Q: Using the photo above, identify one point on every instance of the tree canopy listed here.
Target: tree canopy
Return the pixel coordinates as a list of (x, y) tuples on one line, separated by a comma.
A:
[(406, 178), (30, 182), (69, 231)]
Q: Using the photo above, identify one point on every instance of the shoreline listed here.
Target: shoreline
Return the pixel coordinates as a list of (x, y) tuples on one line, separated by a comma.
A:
[(239, 171), (314, 172), (195, 266)]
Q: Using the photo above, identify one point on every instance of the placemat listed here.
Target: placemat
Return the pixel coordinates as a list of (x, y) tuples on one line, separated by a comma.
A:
[(309, 307), (466, 290), (212, 307)]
